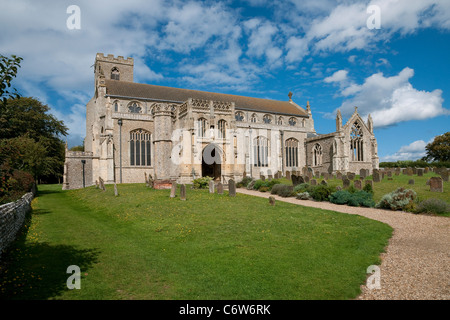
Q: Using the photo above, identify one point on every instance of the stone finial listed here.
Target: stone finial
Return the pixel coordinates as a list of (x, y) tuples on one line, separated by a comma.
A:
[(356, 109), (290, 96), (308, 107)]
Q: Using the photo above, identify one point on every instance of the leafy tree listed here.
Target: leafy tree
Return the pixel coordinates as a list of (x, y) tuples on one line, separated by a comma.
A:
[(8, 71), (439, 149)]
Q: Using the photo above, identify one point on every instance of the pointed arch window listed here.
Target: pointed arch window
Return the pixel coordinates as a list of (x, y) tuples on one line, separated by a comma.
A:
[(201, 124), (261, 152), (317, 155), (116, 106), (140, 148), (291, 149), (356, 142), (280, 121), (254, 119), (267, 119), (115, 74), (222, 126)]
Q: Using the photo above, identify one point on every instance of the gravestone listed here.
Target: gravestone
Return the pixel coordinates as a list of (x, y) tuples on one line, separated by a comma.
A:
[(326, 176), (426, 170), (270, 177), (409, 171), (220, 188), (357, 184), (339, 175), (306, 178), (211, 186), (389, 173), (369, 182), (146, 180), (376, 175), (411, 181), (436, 184), (173, 190), (183, 192), (313, 182), (362, 173), (317, 175), (294, 180), (116, 192), (231, 188), (350, 175), (272, 201), (288, 175), (96, 184), (263, 178), (101, 183), (346, 183), (420, 172), (444, 174)]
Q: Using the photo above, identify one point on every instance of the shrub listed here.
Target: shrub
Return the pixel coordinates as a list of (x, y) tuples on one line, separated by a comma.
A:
[(275, 188), (264, 189), (304, 196), (368, 188), (269, 184), (356, 199), (244, 182), (400, 199), (301, 187), (320, 192), (432, 205), (202, 183), (340, 197)]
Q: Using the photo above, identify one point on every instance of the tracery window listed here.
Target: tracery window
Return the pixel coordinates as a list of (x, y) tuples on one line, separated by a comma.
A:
[(222, 126), (140, 148), (267, 119), (201, 124), (292, 121), (115, 74), (261, 152), (356, 142), (134, 107), (317, 155), (291, 149), (239, 116)]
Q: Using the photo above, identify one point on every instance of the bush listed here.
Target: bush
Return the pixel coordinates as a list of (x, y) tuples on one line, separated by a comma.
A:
[(304, 196), (269, 184), (320, 192), (368, 188), (356, 199), (244, 182), (202, 183), (303, 187), (283, 190), (432, 205), (264, 189), (400, 199)]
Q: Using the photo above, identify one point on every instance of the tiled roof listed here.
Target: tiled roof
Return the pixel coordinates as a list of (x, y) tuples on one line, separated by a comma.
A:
[(123, 89)]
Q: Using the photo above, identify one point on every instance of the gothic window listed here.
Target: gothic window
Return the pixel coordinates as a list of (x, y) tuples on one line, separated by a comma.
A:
[(267, 119), (239, 116), (303, 123), (116, 106), (115, 74), (201, 123), (291, 149), (134, 108), (222, 126), (261, 152), (356, 142), (254, 119), (280, 121), (140, 148), (292, 121), (317, 155)]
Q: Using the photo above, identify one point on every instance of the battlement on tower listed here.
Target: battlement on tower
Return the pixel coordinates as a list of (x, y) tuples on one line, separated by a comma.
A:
[(111, 58), (114, 68)]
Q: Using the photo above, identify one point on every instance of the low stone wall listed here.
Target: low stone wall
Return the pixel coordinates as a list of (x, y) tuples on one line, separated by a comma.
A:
[(12, 217)]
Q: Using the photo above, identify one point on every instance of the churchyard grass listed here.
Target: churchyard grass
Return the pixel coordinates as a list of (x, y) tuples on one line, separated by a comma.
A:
[(143, 244)]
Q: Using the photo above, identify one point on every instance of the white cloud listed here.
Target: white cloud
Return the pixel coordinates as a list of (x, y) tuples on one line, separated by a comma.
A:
[(391, 100), (414, 151), (297, 49), (338, 76)]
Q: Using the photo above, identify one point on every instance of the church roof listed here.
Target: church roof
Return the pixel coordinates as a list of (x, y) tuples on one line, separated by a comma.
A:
[(124, 89)]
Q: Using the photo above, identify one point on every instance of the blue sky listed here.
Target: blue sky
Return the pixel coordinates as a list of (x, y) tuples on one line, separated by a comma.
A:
[(322, 51)]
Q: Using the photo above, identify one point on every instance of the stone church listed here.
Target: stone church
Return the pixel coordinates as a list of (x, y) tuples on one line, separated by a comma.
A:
[(135, 130)]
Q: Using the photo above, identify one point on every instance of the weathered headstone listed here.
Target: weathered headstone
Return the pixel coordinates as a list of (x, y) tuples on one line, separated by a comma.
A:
[(173, 190), (306, 178), (317, 174), (420, 172), (436, 184), (389, 173), (339, 175), (425, 171), (376, 175), (270, 177), (350, 175), (288, 175), (409, 171), (146, 180), (263, 178), (101, 183), (411, 181), (444, 174), (220, 188), (346, 183), (313, 182), (294, 180), (357, 184), (362, 173), (272, 201), (183, 192), (116, 192), (211, 186), (231, 188)]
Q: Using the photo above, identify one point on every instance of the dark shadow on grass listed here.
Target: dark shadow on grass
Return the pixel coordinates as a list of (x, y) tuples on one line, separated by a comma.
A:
[(39, 271)]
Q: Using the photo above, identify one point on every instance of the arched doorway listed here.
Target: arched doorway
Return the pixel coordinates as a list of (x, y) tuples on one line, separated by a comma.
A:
[(212, 161)]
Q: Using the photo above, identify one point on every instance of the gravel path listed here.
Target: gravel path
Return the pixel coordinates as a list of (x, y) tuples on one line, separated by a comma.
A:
[(416, 264)]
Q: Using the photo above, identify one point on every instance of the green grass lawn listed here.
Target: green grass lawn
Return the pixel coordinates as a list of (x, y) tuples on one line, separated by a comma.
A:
[(145, 245)]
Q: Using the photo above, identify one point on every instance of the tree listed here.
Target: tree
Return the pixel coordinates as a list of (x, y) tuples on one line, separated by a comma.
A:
[(8, 71), (439, 149)]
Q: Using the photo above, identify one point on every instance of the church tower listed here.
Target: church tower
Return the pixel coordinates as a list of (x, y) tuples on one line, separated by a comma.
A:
[(112, 68)]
